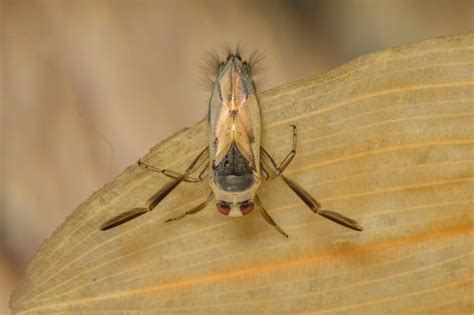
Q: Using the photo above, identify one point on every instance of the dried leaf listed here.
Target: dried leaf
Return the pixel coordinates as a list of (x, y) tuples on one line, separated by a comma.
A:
[(386, 139)]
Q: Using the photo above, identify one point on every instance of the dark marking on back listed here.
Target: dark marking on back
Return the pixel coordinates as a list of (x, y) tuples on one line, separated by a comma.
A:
[(234, 172), (234, 163)]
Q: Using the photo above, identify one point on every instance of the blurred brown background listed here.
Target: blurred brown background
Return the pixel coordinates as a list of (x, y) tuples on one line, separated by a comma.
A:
[(87, 87)]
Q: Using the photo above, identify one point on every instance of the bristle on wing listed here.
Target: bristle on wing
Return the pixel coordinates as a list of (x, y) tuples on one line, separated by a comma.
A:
[(211, 62), (256, 60)]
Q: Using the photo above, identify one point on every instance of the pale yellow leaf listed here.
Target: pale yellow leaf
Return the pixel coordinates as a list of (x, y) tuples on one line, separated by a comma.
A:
[(386, 139)]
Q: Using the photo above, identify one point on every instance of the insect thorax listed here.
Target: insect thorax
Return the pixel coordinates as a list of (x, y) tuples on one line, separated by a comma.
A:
[(233, 173)]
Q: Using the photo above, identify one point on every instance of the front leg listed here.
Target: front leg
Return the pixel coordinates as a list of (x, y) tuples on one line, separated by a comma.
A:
[(193, 210), (268, 218)]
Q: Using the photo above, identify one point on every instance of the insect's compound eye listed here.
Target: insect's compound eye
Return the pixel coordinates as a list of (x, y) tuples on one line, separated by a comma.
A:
[(223, 207), (246, 207)]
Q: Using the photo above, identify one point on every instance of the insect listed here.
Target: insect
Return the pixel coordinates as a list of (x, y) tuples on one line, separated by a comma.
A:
[(234, 161)]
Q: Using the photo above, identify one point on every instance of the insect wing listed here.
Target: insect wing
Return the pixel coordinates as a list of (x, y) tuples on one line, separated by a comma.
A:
[(234, 114)]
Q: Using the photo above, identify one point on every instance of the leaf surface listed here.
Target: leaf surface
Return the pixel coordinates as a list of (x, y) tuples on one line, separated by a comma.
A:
[(386, 139)]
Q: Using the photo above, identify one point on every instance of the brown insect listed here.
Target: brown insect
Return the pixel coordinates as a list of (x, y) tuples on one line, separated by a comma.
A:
[(235, 162)]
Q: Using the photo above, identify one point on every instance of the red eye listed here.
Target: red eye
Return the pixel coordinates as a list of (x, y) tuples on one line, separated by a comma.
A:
[(223, 207), (246, 207)]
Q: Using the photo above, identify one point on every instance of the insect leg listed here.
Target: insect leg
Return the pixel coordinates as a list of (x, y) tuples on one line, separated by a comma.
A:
[(312, 203), (204, 173), (289, 157), (271, 170), (316, 207), (158, 197), (264, 172), (165, 172), (122, 218), (201, 158), (194, 210), (267, 217), (136, 212), (269, 162), (269, 167), (196, 163)]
